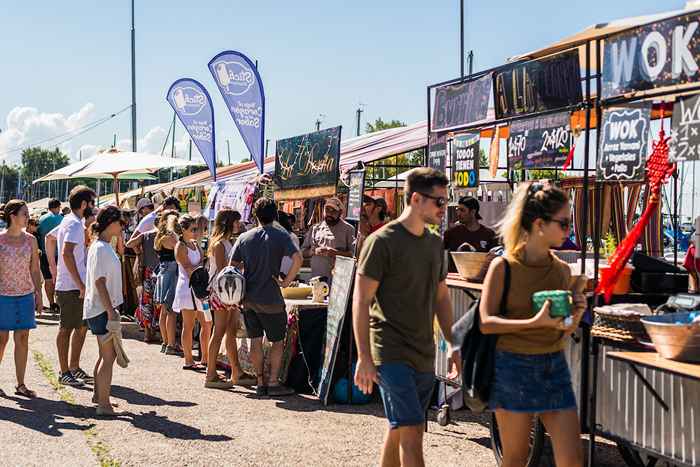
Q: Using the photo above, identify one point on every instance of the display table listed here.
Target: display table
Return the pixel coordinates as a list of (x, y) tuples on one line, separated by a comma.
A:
[(647, 404), (303, 350)]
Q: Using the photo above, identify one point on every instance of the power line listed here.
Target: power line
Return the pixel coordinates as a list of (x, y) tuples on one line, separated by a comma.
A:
[(71, 134)]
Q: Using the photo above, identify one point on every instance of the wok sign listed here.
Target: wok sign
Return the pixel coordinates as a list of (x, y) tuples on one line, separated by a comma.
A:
[(653, 56), (623, 143)]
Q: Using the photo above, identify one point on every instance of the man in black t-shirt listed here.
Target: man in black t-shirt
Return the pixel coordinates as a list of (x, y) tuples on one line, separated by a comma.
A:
[(469, 230)]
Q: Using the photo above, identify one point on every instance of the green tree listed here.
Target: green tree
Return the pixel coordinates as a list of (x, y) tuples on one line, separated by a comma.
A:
[(8, 182), (37, 162), (380, 125)]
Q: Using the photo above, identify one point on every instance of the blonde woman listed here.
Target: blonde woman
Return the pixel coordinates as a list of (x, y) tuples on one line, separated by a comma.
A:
[(189, 257), (227, 226), (166, 279), (531, 376)]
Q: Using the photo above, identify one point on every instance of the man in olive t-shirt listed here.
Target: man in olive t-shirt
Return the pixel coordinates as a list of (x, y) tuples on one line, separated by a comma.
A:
[(399, 289)]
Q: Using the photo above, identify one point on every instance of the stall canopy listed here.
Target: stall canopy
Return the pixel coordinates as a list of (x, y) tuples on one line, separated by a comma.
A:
[(375, 146), (598, 31)]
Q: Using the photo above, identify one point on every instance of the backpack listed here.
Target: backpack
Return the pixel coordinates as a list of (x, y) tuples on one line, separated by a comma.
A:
[(478, 352)]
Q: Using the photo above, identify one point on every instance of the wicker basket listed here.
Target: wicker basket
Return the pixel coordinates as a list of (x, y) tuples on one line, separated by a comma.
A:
[(469, 264), (609, 323)]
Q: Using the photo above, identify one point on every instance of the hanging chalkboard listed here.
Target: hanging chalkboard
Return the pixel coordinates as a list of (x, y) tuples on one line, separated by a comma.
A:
[(437, 151), (623, 143), (538, 85), (685, 130), (540, 142), (357, 186), (338, 303), (457, 105), (465, 160), (310, 160)]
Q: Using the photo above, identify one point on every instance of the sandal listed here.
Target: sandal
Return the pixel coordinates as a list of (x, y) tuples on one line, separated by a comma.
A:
[(245, 379), (23, 390), (218, 383), (106, 412), (193, 367)]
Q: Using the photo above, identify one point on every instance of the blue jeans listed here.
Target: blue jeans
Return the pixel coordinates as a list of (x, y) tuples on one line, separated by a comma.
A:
[(98, 324), (406, 393)]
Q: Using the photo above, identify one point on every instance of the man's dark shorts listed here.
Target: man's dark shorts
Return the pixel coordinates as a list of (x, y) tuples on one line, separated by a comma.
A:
[(406, 393), (270, 320), (45, 269), (71, 306)]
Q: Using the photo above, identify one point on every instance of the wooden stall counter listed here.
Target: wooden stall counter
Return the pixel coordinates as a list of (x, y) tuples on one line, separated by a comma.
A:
[(655, 361), (455, 280)]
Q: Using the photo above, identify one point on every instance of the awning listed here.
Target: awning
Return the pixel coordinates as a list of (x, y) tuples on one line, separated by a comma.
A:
[(597, 31)]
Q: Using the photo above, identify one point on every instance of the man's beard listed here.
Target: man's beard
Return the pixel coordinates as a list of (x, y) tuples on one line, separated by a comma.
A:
[(332, 220)]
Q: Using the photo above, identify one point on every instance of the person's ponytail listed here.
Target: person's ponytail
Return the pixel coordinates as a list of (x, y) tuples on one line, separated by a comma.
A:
[(530, 202)]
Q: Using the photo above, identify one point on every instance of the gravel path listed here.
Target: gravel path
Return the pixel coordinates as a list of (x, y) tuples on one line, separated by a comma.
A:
[(170, 419)]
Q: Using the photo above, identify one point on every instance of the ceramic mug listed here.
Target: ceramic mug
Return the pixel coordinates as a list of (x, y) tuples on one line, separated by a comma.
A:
[(319, 290)]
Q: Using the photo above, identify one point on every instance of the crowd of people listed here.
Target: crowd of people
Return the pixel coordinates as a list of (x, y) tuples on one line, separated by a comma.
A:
[(400, 289)]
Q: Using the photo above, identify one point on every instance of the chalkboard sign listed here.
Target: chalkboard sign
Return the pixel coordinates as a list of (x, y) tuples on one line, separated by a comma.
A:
[(465, 160), (538, 85), (437, 151), (309, 160), (685, 130), (457, 105), (541, 142), (338, 302), (357, 187), (623, 143)]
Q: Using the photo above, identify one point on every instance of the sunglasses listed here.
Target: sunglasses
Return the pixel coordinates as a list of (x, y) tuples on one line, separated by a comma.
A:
[(439, 200), (565, 224)]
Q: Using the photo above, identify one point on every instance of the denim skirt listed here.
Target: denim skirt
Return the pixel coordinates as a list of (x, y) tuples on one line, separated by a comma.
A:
[(531, 383), (17, 313), (166, 280)]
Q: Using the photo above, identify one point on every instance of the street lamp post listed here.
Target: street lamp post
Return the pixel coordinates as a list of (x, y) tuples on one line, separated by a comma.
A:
[(133, 80)]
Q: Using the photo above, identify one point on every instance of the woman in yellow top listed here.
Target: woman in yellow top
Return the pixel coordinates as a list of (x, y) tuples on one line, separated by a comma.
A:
[(531, 375)]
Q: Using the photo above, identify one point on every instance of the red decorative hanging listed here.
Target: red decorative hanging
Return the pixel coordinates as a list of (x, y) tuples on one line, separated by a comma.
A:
[(658, 171), (569, 158)]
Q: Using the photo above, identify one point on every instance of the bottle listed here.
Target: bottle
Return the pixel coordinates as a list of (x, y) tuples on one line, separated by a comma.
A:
[(206, 311)]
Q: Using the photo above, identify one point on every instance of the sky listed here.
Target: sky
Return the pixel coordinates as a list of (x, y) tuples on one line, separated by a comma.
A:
[(67, 64)]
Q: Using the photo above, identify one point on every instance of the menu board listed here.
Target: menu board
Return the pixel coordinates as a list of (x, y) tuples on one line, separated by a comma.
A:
[(437, 151), (338, 303), (357, 187), (310, 160), (465, 160), (540, 142), (623, 143), (685, 130)]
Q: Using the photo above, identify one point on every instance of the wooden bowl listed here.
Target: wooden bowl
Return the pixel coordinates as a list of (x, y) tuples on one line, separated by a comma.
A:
[(469, 264), (296, 293)]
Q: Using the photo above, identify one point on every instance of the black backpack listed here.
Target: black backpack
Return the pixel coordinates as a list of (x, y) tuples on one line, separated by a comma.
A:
[(478, 352)]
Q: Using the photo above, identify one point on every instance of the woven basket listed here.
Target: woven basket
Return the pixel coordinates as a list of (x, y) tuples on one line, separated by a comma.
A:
[(619, 327)]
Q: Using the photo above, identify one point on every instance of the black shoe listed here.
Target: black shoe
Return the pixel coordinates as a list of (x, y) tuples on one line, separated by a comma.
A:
[(163, 348), (174, 351), (67, 379), (261, 391), (79, 373)]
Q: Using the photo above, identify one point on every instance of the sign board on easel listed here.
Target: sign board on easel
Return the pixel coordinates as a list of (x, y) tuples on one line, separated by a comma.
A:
[(338, 303)]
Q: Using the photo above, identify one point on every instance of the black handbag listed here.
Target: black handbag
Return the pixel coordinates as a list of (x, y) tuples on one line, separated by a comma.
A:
[(478, 352)]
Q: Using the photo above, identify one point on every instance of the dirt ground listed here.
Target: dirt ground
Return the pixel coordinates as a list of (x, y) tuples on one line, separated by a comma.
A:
[(170, 419)]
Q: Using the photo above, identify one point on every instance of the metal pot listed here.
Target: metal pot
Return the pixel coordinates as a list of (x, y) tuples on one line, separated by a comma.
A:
[(674, 341)]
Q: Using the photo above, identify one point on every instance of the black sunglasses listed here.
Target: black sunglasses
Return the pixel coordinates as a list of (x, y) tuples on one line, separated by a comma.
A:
[(565, 224), (439, 200)]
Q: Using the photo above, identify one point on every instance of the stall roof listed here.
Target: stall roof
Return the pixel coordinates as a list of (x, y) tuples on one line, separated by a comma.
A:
[(386, 143), (598, 31)]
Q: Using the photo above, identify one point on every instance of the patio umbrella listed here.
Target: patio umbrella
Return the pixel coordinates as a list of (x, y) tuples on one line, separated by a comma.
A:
[(121, 165)]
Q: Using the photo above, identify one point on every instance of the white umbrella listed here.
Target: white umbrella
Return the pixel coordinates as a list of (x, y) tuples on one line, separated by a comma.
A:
[(69, 171), (119, 165)]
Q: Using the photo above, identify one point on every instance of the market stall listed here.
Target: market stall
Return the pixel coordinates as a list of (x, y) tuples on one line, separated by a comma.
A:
[(639, 399)]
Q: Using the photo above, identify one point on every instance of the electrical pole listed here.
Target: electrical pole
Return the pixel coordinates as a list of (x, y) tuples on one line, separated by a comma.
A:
[(228, 149), (267, 146), (114, 141), (359, 115), (470, 57), (461, 38), (133, 80)]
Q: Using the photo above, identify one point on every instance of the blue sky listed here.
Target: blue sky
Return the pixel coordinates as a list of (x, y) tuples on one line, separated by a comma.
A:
[(65, 64)]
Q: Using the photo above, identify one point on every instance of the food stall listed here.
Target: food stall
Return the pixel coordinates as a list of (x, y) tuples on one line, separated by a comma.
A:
[(631, 389)]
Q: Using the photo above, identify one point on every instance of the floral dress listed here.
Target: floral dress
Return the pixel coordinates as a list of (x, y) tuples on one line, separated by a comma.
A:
[(148, 313)]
